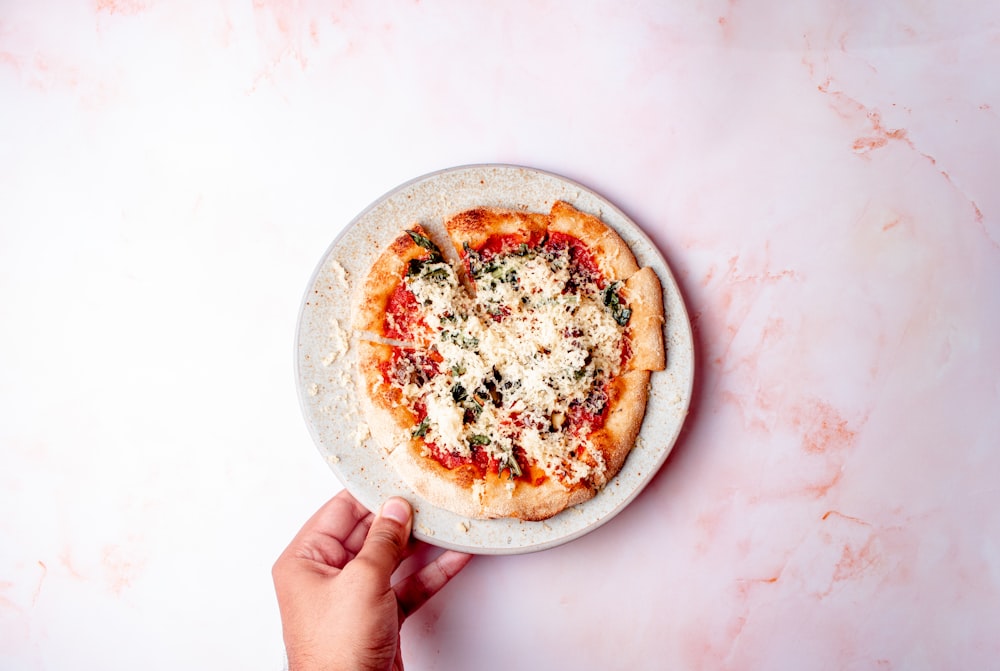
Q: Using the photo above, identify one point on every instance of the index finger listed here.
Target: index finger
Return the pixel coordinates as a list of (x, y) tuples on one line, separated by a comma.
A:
[(337, 517), (331, 527), (413, 591)]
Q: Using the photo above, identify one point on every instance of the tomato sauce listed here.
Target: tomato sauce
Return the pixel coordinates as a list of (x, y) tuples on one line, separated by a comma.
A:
[(447, 459), (626, 351), (483, 463), (479, 459), (582, 258), (386, 368), (402, 305), (504, 244), (579, 415)]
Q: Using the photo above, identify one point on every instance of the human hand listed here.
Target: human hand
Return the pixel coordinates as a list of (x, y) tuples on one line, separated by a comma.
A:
[(338, 607)]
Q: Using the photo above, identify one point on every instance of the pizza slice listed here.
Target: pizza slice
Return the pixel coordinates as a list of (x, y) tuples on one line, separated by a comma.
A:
[(593, 241)]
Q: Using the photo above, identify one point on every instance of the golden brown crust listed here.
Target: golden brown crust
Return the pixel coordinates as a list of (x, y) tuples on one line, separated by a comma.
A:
[(475, 227), (644, 296), (614, 258), (529, 501), (386, 274), (626, 408), (449, 489), (465, 491)]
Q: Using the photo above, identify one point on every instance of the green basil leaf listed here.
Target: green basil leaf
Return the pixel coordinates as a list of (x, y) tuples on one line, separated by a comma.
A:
[(440, 273), (509, 463), (612, 300), (414, 268), (426, 244)]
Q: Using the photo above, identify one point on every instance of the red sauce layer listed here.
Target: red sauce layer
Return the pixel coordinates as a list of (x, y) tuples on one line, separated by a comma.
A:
[(581, 417), (504, 244), (582, 258), (402, 305)]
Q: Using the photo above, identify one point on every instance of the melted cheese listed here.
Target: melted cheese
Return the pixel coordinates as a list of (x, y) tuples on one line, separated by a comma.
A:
[(518, 354)]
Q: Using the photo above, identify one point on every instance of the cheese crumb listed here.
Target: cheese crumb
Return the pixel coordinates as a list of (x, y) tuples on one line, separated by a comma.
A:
[(463, 527), (363, 433), (313, 389), (339, 341), (339, 272), (333, 459)]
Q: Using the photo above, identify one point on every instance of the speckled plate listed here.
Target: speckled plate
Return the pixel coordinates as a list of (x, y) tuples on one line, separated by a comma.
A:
[(325, 356)]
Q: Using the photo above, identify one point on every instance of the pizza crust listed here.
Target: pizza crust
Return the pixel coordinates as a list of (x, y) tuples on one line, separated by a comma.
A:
[(466, 491), (626, 408), (644, 297), (531, 502), (476, 227), (446, 488)]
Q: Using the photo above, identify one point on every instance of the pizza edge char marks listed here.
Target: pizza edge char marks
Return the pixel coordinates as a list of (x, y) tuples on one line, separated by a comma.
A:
[(515, 384)]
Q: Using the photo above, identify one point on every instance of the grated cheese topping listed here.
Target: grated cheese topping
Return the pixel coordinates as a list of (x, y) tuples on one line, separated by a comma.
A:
[(533, 346)]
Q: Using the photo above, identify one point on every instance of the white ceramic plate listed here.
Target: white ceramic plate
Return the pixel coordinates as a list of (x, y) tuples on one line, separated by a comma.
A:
[(325, 356)]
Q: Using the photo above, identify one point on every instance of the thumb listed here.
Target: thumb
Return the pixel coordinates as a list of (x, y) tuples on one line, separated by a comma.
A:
[(387, 538)]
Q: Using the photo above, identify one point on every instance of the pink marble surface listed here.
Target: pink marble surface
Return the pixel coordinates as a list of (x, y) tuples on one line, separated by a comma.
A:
[(822, 178)]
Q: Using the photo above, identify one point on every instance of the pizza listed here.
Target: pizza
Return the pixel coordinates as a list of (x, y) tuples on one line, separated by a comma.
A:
[(509, 378)]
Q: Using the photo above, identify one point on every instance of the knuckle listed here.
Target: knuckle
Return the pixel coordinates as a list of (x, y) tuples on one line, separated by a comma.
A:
[(388, 537)]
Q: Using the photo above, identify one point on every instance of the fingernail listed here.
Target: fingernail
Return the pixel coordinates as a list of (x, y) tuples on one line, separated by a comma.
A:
[(396, 509)]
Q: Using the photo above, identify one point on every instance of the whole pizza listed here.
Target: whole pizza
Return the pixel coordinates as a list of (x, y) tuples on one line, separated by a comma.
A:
[(508, 378)]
